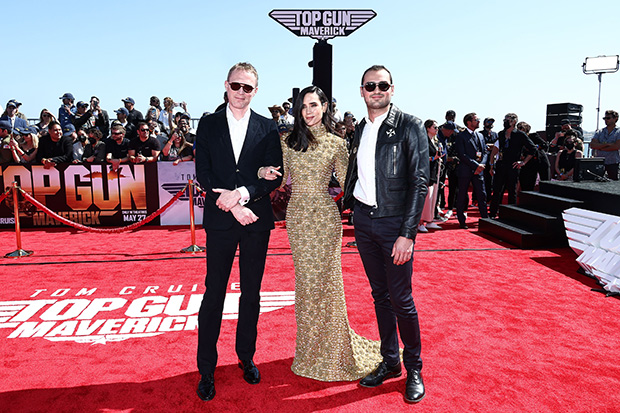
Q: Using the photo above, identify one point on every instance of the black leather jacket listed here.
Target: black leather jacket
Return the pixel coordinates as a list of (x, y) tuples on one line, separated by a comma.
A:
[(402, 169)]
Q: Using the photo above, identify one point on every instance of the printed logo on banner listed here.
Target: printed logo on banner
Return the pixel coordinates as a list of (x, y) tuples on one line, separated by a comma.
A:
[(322, 24), (78, 315), (172, 179)]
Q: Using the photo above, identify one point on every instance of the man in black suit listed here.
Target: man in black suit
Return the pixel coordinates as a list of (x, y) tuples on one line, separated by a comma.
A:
[(472, 152), (231, 145)]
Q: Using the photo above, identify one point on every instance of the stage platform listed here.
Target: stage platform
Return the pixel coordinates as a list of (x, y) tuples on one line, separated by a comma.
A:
[(597, 196)]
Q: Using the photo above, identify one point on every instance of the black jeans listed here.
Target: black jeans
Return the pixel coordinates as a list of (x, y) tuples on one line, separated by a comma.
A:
[(391, 287)]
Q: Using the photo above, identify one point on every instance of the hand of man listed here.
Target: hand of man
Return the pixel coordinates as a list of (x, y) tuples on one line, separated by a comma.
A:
[(227, 199), (402, 251), (479, 169), (47, 164), (244, 215)]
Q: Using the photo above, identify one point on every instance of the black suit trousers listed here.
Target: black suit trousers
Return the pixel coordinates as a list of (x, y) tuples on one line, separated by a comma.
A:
[(221, 249), (391, 287), (462, 199), (505, 178)]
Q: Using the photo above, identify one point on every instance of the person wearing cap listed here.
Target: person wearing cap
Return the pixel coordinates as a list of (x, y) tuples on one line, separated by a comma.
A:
[(288, 117), (606, 142), (25, 151), (5, 142), (557, 143), (67, 110), (490, 137), (143, 148), (335, 112), (57, 146), (447, 135), (134, 115), (84, 118), (94, 151), (276, 114), (117, 147), (11, 115), (122, 115)]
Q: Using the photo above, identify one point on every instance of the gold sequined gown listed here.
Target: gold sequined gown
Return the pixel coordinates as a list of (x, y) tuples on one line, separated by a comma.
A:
[(327, 349)]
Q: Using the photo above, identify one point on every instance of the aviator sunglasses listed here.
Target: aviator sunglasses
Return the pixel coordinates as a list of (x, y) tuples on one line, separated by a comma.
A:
[(236, 86), (371, 86)]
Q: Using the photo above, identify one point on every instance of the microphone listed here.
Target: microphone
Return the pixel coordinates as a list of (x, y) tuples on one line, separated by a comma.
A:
[(598, 178)]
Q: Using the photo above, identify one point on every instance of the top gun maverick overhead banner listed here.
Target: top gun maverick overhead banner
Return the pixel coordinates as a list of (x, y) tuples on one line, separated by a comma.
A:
[(94, 195), (322, 24)]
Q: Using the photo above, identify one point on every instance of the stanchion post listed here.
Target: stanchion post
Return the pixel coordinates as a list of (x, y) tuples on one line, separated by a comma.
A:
[(18, 235), (192, 248)]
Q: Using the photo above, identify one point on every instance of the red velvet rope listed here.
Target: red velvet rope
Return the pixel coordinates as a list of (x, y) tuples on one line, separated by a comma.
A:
[(102, 230), (4, 195)]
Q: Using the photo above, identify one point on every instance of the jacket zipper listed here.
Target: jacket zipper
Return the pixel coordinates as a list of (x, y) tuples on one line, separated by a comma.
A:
[(394, 160)]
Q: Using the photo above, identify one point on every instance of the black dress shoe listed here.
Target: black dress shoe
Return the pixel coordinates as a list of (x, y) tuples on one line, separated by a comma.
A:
[(382, 372), (463, 226), (250, 371), (414, 388), (206, 387)]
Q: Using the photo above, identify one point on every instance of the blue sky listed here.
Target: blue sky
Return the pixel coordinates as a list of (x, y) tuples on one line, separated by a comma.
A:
[(488, 57)]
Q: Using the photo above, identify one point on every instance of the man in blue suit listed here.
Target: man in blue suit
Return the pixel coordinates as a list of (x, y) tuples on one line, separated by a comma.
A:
[(231, 145), (471, 149), (12, 107)]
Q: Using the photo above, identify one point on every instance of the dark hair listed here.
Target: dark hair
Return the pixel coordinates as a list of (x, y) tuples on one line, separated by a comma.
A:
[(428, 123), (301, 137), (611, 113), (376, 68), (469, 117), (52, 124), (95, 131), (524, 127)]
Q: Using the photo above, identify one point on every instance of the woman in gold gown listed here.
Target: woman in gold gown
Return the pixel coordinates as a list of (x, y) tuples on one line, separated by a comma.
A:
[(327, 349)]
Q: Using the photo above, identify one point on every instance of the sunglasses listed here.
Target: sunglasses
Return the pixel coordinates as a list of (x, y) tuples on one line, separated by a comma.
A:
[(608, 118), (144, 130), (371, 86), (117, 133), (236, 86)]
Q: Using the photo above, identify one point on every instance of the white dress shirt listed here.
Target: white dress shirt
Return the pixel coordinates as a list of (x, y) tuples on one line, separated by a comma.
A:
[(238, 129), (365, 189)]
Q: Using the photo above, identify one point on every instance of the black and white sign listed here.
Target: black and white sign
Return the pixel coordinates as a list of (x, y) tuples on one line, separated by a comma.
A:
[(322, 24)]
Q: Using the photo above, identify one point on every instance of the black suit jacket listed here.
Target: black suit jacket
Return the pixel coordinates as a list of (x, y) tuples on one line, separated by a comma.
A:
[(216, 168), (467, 146)]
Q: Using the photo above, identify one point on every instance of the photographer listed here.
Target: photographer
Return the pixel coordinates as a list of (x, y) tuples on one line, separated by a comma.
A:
[(102, 120)]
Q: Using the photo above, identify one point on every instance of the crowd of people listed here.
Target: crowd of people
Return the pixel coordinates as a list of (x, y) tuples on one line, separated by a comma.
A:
[(392, 167), (510, 161), (83, 133)]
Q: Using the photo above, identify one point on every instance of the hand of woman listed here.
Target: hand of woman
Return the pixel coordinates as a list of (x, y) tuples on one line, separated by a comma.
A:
[(269, 173)]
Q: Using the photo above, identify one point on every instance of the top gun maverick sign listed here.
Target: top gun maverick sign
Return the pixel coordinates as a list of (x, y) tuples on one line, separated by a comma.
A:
[(322, 24)]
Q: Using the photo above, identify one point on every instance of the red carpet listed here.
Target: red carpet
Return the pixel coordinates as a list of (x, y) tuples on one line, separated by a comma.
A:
[(503, 330)]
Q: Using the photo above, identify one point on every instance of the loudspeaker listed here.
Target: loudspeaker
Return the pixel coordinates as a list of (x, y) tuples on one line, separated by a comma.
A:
[(559, 108), (322, 67), (589, 169), (556, 119)]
